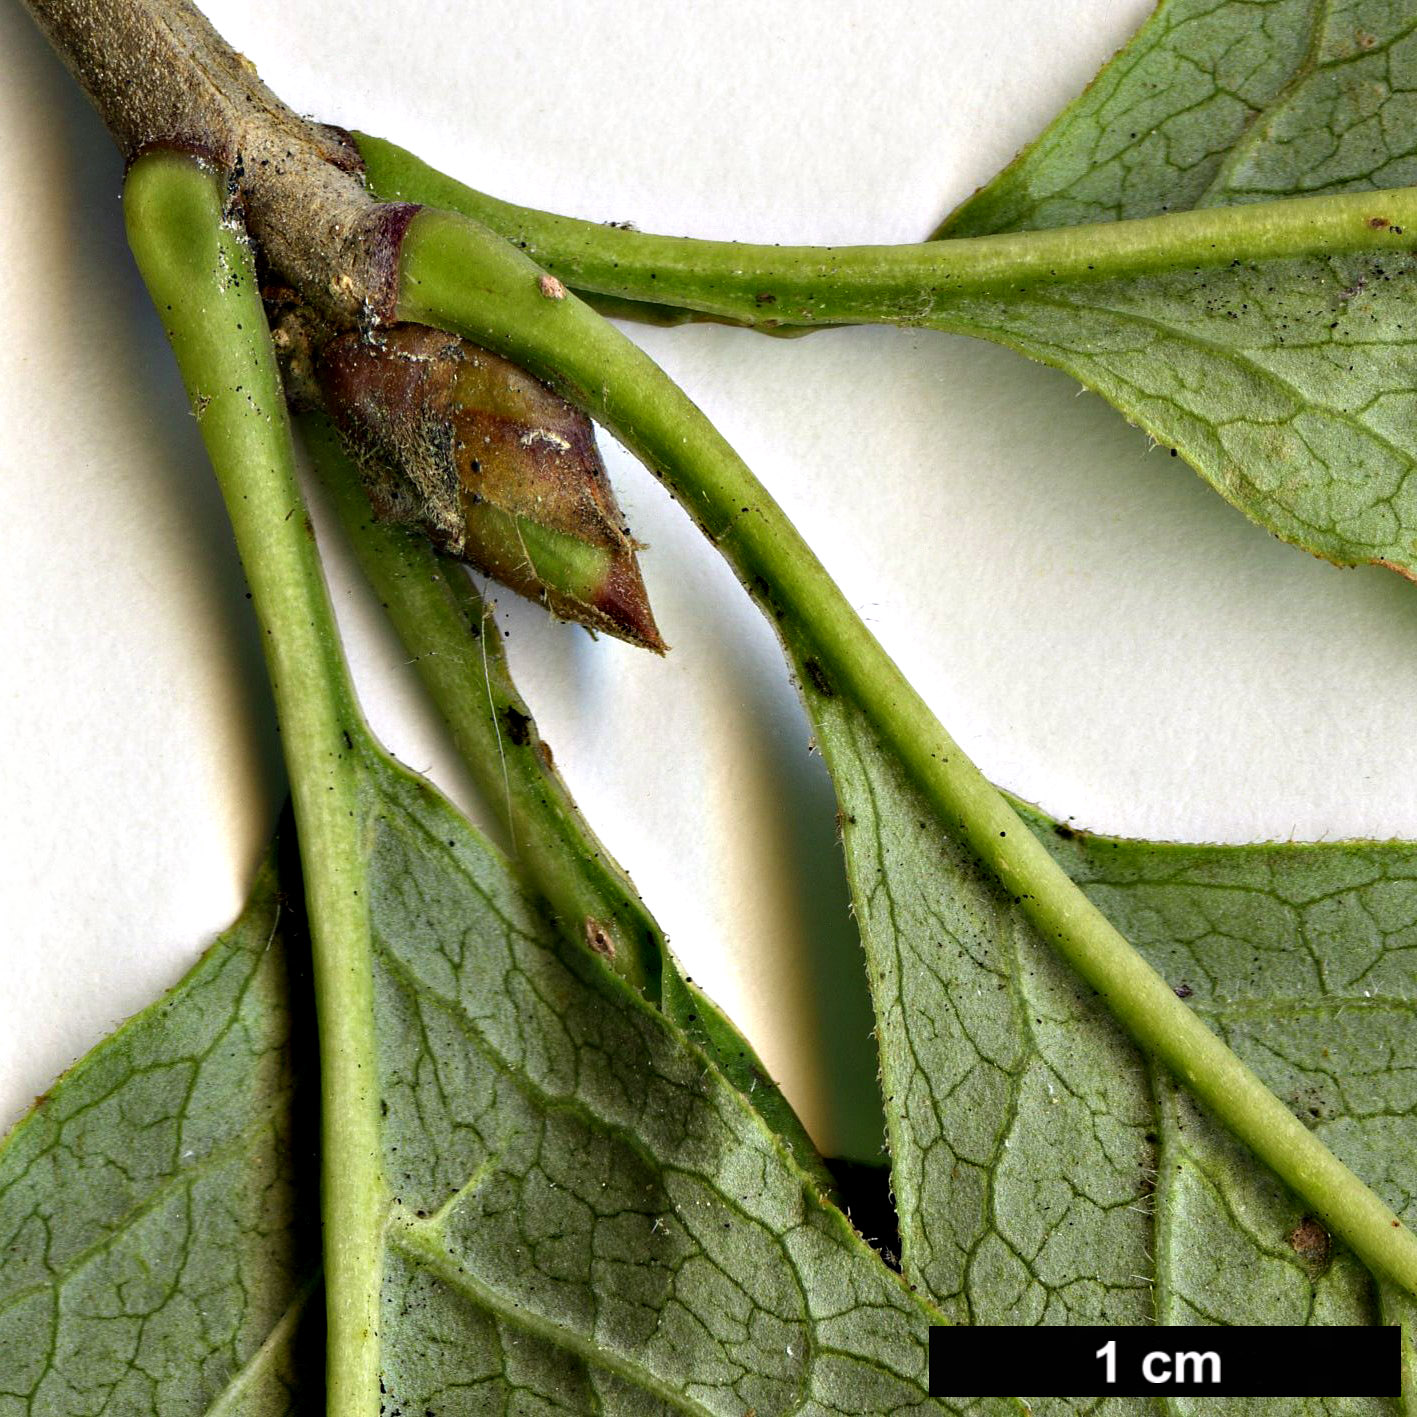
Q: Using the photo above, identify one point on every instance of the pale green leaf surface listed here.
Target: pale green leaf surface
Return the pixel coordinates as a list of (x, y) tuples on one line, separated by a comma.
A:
[(159, 1227), (571, 1180), (1219, 101), (583, 1214), (1287, 384), (1043, 1171)]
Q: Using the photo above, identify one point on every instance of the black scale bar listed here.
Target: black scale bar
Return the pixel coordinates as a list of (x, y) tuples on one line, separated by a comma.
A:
[(1330, 1361)]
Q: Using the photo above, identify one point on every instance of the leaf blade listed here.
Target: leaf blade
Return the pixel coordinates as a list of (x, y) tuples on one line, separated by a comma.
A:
[(663, 1152), (185, 1127), (1152, 132), (1045, 1172), (1284, 383), (521, 1082)]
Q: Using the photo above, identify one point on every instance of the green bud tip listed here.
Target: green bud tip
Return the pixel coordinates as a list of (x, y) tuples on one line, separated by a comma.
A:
[(492, 466)]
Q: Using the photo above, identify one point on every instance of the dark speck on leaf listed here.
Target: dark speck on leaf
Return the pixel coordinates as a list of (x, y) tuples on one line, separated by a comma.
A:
[(1183, 991), (518, 725), (818, 676)]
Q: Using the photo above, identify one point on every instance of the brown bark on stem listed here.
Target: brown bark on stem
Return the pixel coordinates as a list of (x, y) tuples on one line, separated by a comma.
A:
[(160, 75)]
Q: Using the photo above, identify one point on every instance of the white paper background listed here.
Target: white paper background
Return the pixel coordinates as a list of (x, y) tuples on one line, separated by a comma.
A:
[(1097, 628)]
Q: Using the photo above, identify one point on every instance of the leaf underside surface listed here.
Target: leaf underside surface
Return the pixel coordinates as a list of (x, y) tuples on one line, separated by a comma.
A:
[(583, 1214), (584, 1210), (159, 1217), (1044, 1171), (1288, 384)]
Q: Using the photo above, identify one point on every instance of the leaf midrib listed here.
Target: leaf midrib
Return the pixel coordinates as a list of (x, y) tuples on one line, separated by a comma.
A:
[(913, 285)]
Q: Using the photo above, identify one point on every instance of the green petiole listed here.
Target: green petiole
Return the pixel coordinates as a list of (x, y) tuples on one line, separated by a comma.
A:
[(459, 276), (814, 286), (199, 271), (434, 609)]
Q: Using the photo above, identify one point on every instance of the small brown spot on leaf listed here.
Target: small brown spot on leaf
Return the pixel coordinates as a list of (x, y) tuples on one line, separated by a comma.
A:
[(552, 288), (1377, 222), (599, 938), (1310, 1241)]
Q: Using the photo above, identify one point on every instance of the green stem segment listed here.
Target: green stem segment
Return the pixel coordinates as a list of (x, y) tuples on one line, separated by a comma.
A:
[(461, 277), (773, 286), (200, 273), (433, 606)]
